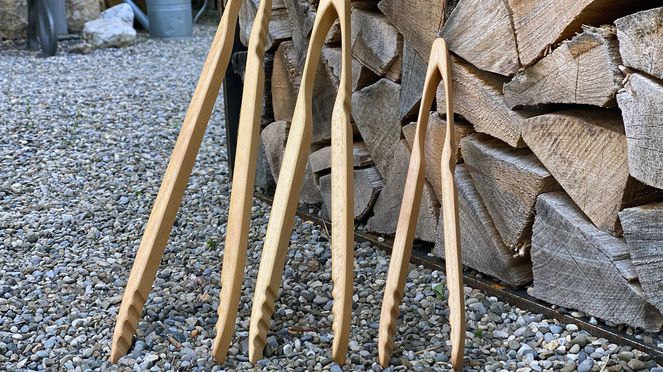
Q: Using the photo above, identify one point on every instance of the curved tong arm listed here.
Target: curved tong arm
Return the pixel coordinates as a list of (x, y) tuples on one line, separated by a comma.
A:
[(174, 183), (289, 186), (438, 70), (241, 196)]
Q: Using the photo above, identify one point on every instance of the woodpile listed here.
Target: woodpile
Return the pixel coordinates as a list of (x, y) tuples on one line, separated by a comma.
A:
[(558, 108)]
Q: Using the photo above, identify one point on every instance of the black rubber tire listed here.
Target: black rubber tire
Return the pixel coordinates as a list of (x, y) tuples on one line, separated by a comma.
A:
[(48, 39)]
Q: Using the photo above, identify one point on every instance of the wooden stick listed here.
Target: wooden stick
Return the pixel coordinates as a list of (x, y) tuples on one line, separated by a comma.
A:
[(438, 69), (174, 183), (290, 182), (241, 197)]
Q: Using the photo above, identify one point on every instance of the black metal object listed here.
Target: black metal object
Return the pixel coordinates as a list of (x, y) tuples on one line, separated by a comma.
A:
[(232, 98), (41, 26), (519, 298)]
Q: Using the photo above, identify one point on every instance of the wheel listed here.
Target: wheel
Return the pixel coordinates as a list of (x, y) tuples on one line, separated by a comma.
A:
[(46, 28)]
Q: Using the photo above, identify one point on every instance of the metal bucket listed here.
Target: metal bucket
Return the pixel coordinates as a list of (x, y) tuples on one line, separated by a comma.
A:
[(170, 18), (59, 16)]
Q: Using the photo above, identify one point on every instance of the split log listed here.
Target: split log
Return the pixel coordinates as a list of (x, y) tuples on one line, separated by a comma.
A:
[(418, 20), (361, 75), (641, 103), (569, 252), (376, 43), (641, 41), (585, 150), (320, 160), (279, 25), (508, 181), (541, 24), (481, 245), (301, 15), (377, 117), (643, 230), (583, 70), (274, 138), (264, 181), (286, 78), (367, 186), (478, 98), (437, 129), (412, 82), (481, 32)]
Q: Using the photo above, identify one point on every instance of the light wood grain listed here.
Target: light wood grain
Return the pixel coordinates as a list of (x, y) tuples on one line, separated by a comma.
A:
[(481, 32), (241, 196), (438, 70), (290, 182), (643, 230), (569, 252), (174, 183), (585, 150), (583, 70), (641, 41), (641, 102)]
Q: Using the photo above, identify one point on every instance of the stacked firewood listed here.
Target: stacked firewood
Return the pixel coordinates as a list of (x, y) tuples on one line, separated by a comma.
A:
[(559, 112)]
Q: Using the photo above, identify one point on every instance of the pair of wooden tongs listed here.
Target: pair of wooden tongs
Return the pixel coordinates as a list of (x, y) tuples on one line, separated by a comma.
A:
[(438, 69), (177, 174), (289, 186)]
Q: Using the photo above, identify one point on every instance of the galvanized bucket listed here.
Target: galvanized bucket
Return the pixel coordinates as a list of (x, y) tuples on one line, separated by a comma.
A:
[(170, 18)]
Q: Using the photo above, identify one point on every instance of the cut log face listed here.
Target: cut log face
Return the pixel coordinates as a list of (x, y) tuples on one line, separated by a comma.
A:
[(367, 186), (541, 24), (377, 117), (418, 20), (412, 82), (481, 32), (274, 138), (435, 133), (361, 75), (279, 26), (508, 181), (478, 98), (264, 181), (643, 230), (569, 252), (641, 103), (641, 41), (376, 43), (583, 70), (482, 247), (585, 150)]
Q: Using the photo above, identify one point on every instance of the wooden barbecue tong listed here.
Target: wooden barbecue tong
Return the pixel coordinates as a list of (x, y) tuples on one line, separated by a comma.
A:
[(438, 69), (290, 183), (174, 183)]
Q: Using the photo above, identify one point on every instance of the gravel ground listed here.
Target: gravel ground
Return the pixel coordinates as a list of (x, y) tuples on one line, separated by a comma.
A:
[(84, 140)]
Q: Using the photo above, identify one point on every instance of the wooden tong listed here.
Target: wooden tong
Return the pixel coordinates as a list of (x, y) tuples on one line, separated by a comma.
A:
[(241, 196), (174, 183), (438, 69), (290, 183)]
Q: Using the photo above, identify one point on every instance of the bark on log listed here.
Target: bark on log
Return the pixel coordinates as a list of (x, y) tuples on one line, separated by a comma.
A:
[(418, 20), (539, 25), (412, 82), (482, 247), (508, 181), (274, 138), (481, 32), (376, 115), (643, 230), (279, 26), (585, 150), (569, 252), (583, 70), (376, 43), (641, 41), (437, 129), (641, 103), (478, 98)]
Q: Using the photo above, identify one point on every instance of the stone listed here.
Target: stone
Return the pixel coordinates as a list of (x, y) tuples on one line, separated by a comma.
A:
[(122, 11), (13, 19), (81, 11), (109, 33)]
